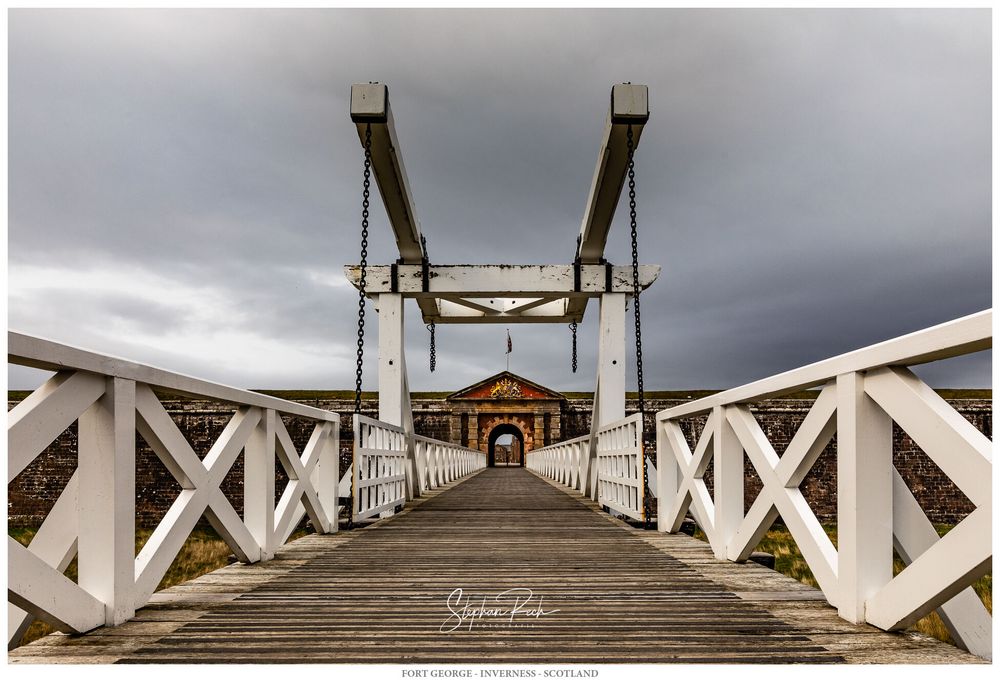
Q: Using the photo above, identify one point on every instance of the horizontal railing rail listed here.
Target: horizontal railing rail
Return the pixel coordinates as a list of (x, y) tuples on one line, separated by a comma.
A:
[(863, 393), (112, 401)]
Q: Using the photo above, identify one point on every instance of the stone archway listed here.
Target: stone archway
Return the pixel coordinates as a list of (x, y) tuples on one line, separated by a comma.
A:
[(522, 423), (501, 430)]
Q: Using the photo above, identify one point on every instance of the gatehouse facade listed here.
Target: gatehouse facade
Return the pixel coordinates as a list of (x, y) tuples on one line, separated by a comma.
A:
[(505, 404)]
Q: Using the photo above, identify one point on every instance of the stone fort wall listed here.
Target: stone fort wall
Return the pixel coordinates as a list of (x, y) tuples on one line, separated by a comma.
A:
[(33, 492)]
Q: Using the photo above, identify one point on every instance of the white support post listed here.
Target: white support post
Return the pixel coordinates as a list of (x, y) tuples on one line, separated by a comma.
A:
[(728, 483), (864, 497), (107, 501), (258, 484), (609, 393), (611, 358), (390, 358), (393, 388)]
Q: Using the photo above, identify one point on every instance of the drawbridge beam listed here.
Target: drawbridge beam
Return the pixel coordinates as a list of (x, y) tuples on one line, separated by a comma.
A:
[(520, 293), (629, 107), (370, 107)]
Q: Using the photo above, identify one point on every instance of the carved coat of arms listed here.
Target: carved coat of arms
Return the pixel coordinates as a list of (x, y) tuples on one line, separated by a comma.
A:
[(505, 388)]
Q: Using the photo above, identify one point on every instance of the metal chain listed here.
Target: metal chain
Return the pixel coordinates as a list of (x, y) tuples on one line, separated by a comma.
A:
[(572, 327), (430, 327), (646, 500), (362, 295), (363, 281), (426, 262)]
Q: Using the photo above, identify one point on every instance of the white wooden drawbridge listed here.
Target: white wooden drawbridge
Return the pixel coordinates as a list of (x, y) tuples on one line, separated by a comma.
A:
[(862, 394)]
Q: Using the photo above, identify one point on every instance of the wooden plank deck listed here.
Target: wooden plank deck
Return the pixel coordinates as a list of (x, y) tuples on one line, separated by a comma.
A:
[(380, 595)]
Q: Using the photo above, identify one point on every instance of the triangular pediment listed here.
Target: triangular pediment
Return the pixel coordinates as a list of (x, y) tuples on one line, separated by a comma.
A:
[(506, 386)]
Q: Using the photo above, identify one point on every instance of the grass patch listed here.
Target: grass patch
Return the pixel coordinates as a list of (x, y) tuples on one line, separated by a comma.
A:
[(203, 552), (788, 560)]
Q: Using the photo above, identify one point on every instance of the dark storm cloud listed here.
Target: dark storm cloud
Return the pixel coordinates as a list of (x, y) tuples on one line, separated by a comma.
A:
[(811, 181)]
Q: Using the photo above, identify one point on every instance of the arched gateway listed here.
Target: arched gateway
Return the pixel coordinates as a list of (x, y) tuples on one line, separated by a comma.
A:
[(508, 454)]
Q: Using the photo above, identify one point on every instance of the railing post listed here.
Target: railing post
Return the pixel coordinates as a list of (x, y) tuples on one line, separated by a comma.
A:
[(258, 484), (107, 500), (418, 458), (328, 475), (728, 471), (666, 479), (864, 497)]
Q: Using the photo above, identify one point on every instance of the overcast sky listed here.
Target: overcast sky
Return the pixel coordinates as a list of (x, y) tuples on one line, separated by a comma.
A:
[(184, 186)]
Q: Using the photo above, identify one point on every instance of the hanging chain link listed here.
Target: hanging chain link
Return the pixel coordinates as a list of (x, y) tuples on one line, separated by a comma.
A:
[(572, 327), (647, 499), (430, 327), (363, 281), (426, 262)]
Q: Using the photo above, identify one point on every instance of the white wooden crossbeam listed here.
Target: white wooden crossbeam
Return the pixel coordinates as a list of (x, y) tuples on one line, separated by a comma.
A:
[(40, 590), (776, 497), (801, 454), (693, 493), (501, 306), (43, 415), (961, 557), (300, 489), (493, 293), (955, 445), (500, 280), (204, 497), (55, 544), (965, 616), (503, 310)]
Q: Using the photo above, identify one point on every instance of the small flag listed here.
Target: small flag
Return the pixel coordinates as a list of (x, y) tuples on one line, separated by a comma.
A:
[(510, 345)]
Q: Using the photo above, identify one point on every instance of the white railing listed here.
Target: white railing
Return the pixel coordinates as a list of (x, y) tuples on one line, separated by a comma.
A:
[(863, 393), (439, 463), (93, 519), (620, 467), (379, 468), (562, 462), (617, 480)]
